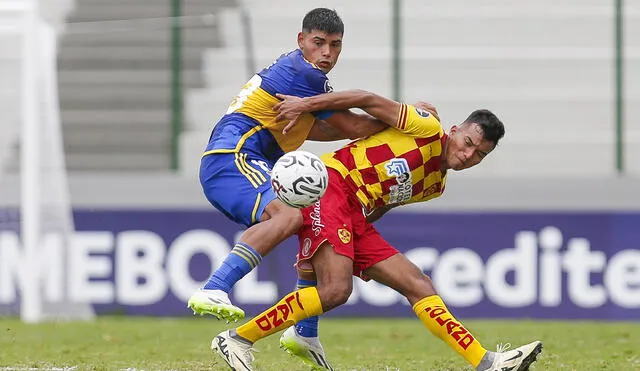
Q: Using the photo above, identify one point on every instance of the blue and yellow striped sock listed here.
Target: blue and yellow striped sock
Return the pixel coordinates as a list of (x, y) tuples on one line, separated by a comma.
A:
[(240, 261), (308, 327)]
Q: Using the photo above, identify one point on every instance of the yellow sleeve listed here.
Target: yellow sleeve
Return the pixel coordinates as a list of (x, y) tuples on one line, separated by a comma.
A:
[(417, 122)]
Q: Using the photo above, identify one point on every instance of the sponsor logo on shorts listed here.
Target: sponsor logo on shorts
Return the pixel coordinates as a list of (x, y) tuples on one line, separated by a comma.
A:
[(306, 246), (316, 224), (344, 235)]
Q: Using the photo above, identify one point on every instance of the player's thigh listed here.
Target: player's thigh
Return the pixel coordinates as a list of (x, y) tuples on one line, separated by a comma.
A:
[(237, 184), (326, 246), (328, 220), (334, 276), (370, 247), (400, 274), (277, 208)]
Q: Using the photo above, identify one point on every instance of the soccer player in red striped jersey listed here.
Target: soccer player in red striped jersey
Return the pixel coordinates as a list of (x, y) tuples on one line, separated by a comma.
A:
[(404, 163)]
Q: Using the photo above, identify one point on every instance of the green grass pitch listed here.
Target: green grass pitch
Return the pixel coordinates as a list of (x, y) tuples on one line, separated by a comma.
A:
[(136, 343)]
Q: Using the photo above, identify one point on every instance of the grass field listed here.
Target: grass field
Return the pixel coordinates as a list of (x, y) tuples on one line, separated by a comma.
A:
[(118, 343)]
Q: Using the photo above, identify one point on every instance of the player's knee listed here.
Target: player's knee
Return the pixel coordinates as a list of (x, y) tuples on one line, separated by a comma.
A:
[(421, 286), (287, 217), (296, 220), (293, 219), (335, 294)]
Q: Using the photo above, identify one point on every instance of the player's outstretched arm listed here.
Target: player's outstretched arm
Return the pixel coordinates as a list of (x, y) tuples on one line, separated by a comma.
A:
[(344, 125), (348, 125), (384, 109), (354, 125)]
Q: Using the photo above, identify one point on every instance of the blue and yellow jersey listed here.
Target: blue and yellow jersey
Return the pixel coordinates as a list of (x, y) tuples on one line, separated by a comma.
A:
[(249, 123)]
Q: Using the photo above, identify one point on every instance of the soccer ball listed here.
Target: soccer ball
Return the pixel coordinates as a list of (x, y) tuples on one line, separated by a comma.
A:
[(299, 179)]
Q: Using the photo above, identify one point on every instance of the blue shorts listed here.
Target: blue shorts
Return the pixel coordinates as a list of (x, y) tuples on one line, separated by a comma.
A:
[(237, 184)]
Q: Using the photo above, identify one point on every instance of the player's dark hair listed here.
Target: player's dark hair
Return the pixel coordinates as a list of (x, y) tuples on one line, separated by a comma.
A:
[(323, 19), (492, 127)]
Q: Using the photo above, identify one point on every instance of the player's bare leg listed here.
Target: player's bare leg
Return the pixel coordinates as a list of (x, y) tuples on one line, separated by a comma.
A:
[(405, 277), (279, 223)]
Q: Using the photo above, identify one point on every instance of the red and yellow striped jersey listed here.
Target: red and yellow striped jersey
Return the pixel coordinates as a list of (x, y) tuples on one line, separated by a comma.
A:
[(399, 165)]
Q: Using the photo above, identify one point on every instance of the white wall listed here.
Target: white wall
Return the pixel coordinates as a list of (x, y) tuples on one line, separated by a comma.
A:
[(55, 12)]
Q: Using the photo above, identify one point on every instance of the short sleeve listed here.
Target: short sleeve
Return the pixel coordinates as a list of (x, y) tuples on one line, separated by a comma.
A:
[(417, 122), (313, 82)]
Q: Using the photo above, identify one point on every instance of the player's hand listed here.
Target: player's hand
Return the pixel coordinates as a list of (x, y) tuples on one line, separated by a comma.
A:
[(427, 107), (290, 108)]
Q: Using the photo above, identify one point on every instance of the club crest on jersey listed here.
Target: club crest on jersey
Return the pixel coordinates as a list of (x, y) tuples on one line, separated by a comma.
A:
[(344, 235), (396, 167), (401, 192), (422, 112), (327, 86)]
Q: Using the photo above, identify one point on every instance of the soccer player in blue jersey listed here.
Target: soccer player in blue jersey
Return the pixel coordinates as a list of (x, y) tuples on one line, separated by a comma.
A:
[(246, 142)]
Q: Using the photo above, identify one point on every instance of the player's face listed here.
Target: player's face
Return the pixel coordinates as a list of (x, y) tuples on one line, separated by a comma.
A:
[(320, 48), (466, 147)]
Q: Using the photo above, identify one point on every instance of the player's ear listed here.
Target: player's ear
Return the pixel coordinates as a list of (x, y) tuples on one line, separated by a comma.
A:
[(300, 39), (453, 129)]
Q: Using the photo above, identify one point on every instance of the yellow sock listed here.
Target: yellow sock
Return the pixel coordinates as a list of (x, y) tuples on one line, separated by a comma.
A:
[(294, 307), (435, 315)]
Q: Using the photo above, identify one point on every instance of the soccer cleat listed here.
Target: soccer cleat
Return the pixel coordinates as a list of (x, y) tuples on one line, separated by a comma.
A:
[(518, 359), (215, 303), (236, 353), (309, 350)]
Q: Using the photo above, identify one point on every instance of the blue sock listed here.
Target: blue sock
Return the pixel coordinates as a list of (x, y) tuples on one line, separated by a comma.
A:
[(308, 327), (240, 261)]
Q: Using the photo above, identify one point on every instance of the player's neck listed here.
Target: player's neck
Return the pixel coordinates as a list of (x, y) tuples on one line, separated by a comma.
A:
[(444, 166)]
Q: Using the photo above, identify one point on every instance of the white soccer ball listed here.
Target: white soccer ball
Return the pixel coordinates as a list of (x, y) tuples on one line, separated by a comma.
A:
[(299, 179)]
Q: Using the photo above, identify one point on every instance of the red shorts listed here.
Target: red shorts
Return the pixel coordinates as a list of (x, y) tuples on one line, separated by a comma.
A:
[(338, 219)]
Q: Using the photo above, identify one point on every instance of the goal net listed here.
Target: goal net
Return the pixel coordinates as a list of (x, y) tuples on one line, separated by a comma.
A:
[(36, 218)]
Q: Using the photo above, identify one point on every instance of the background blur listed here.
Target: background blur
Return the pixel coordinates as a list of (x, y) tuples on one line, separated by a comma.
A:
[(545, 227)]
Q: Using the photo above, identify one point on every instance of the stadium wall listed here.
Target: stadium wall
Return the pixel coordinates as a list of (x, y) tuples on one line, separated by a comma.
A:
[(485, 264), (508, 248)]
